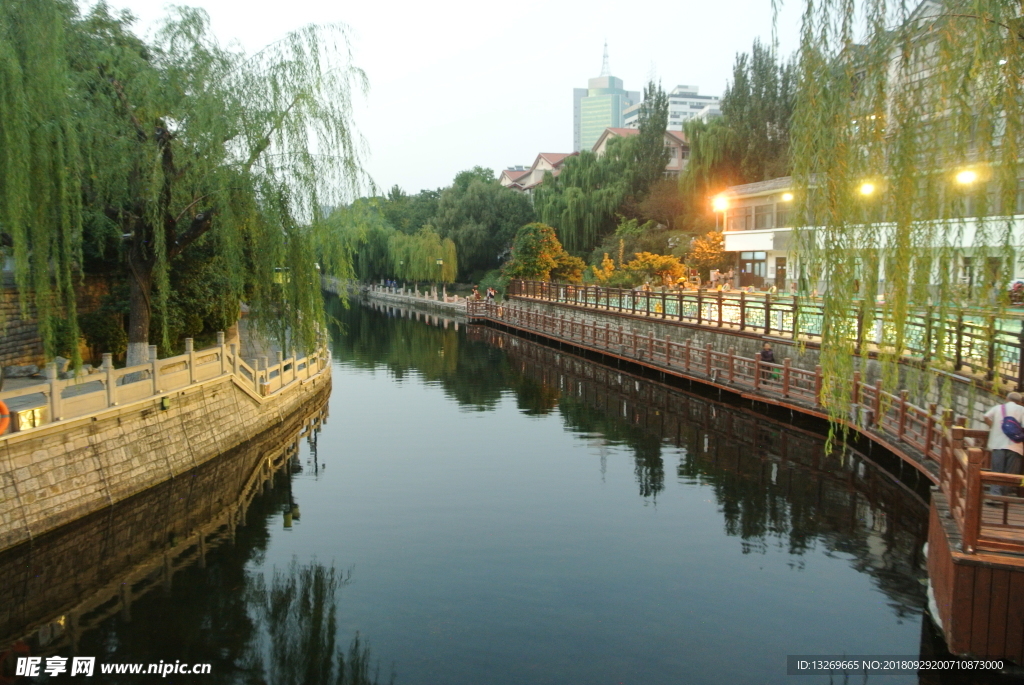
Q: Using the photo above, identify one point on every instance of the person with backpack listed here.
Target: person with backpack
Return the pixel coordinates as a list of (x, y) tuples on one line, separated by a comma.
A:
[(1006, 439)]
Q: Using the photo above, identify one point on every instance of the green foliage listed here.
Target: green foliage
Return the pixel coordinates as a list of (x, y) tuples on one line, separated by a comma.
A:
[(568, 269), (414, 257), (907, 108), (166, 142), (409, 213), (536, 252), (583, 200), (40, 161), (481, 218), (750, 141), (104, 332)]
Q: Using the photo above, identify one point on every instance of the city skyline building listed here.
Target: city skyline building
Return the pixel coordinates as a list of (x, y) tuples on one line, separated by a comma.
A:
[(684, 103), (599, 106)]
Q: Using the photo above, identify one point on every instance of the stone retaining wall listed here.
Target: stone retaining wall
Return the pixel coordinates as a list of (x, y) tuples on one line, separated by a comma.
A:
[(50, 576), (924, 387), (20, 343), (58, 473)]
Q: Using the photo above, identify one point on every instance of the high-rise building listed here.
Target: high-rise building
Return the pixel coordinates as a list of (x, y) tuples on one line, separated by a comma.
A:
[(599, 106), (684, 103)]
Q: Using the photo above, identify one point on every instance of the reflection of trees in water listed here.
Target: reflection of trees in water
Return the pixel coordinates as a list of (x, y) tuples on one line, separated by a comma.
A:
[(249, 631), (297, 615), (370, 338), (774, 483)]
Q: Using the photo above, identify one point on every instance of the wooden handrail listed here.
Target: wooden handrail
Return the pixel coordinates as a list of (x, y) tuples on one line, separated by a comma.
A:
[(955, 449), (985, 344)]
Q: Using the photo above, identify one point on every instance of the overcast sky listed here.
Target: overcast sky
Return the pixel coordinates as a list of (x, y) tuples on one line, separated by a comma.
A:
[(455, 84)]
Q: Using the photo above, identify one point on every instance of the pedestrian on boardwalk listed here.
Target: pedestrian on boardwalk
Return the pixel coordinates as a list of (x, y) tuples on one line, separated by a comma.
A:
[(490, 296), (767, 356), (476, 293), (1006, 451)]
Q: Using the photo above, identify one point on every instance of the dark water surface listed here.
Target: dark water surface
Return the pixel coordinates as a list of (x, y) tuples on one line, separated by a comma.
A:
[(482, 509)]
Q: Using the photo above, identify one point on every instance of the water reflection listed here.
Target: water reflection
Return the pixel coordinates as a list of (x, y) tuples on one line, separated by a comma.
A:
[(774, 483)]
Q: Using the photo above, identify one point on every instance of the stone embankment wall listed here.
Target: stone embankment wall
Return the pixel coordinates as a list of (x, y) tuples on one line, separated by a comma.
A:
[(58, 473), (20, 343), (924, 387), (92, 557)]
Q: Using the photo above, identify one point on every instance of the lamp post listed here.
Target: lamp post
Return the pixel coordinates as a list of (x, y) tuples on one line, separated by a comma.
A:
[(720, 204)]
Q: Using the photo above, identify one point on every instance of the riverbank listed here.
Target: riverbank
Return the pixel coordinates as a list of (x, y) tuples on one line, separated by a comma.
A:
[(141, 427)]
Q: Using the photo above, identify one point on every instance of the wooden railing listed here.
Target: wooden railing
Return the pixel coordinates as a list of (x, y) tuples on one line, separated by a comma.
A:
[(979, 340), (61, 399), (952, 455)]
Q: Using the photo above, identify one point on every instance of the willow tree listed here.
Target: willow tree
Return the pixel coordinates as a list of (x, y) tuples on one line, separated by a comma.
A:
[(906, 149), (175, 143), (40, 160), (582, 201)]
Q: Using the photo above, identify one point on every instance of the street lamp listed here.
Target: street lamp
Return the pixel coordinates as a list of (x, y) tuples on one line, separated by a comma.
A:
[(787, 197), (867, 188), (720, 204), (967, 177)]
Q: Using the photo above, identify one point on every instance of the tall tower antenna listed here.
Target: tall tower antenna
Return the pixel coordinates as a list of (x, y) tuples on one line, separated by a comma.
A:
[(605, 71)]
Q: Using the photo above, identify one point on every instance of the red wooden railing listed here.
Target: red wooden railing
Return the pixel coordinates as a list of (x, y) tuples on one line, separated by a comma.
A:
[(956, 452), (982, 341)]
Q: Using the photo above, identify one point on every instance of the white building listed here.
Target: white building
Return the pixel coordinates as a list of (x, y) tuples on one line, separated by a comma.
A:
[(684, 103)]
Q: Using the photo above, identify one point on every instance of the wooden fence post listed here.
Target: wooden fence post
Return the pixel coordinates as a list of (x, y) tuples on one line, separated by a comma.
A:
[(877, 409), (796, 317), (929, 432), (855, 389), (785, 376), (972, 503), (700, 313), (767, 314), (732, 364), (686, 353), (719, 308), (743, 310), (707, 360), (817, 386), (757, 371), (990, 371), (901, 429), (959, 359)]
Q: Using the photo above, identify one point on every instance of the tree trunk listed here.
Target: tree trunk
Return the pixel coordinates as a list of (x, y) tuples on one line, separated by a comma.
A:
[(139, 313)]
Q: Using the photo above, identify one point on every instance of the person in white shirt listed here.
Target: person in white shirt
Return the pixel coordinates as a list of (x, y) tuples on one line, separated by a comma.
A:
[(1006, 454)]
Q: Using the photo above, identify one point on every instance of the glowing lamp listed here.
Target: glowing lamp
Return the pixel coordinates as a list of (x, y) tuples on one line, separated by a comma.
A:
[(720, 203), (967, 177), (787, 197), (867, 189)]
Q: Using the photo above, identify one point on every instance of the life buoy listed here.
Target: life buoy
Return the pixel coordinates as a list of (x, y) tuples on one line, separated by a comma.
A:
[(5, 418)]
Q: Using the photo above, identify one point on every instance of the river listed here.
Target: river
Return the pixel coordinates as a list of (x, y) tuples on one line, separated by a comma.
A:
[(482, 509)]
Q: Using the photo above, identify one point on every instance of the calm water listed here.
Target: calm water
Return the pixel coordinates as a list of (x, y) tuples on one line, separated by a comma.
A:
[(481, 509)]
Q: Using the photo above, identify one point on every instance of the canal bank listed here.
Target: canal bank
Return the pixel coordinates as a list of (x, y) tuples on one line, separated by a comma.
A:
[(138, 427)]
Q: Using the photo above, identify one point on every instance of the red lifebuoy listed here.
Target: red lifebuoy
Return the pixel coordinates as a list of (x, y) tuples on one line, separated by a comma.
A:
[(5, 417)]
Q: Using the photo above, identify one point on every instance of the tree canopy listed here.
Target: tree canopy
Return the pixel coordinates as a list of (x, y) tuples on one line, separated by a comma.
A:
[(906, 149), (149, 151)]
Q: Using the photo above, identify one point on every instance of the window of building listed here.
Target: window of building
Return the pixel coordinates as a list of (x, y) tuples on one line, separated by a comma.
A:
[(763, 216), (738, 219), (782, 216)]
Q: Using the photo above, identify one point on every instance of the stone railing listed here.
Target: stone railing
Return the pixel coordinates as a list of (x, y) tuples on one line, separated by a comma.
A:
[(984, 342), (58, 399), (930, 438)]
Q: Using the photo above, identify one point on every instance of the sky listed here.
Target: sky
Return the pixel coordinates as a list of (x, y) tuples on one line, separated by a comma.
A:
[(456, 84)]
